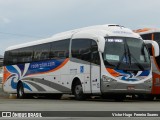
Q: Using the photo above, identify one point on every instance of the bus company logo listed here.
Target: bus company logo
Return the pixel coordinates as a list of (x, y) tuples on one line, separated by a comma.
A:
[(6, 114), (81, 69)]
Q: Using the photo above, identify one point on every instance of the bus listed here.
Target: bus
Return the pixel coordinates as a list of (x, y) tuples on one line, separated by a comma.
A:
[(153, 34), (101, 60)]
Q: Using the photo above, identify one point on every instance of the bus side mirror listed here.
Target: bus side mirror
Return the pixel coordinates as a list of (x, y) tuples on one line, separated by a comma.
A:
[(101, 44), (154, 44)]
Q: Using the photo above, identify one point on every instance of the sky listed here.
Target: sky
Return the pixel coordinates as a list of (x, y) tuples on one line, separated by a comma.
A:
[(23, 21)]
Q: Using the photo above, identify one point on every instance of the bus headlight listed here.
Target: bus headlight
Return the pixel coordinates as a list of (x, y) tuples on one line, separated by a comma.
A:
[(107, 79)]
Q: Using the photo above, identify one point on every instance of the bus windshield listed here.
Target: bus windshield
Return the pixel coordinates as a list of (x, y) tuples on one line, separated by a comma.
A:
[(126, 54)]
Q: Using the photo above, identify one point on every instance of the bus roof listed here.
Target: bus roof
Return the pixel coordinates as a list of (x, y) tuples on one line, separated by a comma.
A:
[(99, 30), (147, 30)]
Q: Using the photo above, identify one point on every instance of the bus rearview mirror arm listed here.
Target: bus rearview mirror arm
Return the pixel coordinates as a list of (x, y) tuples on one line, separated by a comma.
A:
[(155, 45)]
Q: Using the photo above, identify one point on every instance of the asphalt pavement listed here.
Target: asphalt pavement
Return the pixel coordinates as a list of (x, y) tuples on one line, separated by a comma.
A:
[(68, 103)]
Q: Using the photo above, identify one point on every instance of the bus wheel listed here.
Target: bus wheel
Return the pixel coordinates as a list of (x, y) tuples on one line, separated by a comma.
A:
[(78, 92), (20, 91)]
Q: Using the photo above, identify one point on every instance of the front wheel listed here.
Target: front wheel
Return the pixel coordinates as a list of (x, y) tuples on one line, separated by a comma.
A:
[(78, 92)]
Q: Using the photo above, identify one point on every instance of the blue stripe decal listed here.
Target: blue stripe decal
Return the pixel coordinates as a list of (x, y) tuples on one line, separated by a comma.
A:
[(145, 73), (13, 84), (13, 70), (21, 67), (43, 66)]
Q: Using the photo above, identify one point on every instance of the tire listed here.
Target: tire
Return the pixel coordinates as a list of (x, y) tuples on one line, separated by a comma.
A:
[(20, 91), (78, 92)]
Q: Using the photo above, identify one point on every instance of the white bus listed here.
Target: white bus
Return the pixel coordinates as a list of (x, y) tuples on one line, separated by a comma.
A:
[(98, 60)]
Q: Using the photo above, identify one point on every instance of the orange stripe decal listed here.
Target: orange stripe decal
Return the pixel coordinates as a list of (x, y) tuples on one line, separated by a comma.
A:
[(113, 72), (6, 74)]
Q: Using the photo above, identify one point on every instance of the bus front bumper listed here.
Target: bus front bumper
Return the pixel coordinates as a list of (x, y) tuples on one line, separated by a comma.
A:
[(123, 88)]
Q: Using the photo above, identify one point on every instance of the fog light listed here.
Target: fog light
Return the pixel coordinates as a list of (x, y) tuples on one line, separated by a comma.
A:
[(107, 79)]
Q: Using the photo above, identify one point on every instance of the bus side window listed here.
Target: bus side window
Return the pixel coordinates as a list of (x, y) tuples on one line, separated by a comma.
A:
[(81, 49), (60, 49), (7, 58), (25, 55), (41, 52), (14, 57), (147, 36), (94, 53)]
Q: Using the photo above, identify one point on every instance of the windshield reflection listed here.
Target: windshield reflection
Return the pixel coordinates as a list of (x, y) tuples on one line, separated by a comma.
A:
[(126, 54)]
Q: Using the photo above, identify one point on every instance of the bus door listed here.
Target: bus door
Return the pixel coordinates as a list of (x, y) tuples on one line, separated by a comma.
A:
[(95, 68)]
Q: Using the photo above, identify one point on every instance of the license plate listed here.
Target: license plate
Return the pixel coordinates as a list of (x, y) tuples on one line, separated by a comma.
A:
[(131, 88)]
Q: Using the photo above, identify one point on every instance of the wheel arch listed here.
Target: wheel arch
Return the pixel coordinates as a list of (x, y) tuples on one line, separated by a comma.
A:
[(75, 81)]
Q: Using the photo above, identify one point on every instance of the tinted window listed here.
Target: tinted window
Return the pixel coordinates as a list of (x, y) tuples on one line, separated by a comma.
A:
[(41, 52), (11, 57), (157, 36), (14, 55), (95, 54), (25, 55), (147, 36), (81, 49), (6, 58), (60, 49), (54, 50)]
